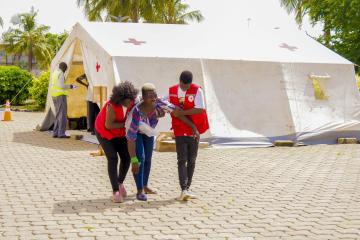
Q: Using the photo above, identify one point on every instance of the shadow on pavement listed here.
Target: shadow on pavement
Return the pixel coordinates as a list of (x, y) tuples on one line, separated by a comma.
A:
[(100, 205), (43, 139)]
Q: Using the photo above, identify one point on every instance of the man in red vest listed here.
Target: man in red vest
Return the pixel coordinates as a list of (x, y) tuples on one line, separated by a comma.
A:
[(190, 98)]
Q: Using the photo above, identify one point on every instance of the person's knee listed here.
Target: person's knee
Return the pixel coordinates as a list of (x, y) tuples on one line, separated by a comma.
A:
[(181, 161), (192, 161), (112, 159), (147, 159)]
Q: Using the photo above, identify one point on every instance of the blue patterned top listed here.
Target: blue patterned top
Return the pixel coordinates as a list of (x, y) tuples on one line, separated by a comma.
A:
[(151, 119)]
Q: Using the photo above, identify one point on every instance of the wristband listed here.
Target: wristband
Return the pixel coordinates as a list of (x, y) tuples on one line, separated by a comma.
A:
[(135, 160)]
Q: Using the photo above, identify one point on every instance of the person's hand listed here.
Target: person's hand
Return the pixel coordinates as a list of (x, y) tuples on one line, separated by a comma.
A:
[(196, 134), (161, 114), (135, 168), (177, 112), (135, 165)]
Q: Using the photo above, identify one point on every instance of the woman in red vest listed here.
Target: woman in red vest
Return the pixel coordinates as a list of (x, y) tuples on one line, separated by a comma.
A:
[(110, 131)]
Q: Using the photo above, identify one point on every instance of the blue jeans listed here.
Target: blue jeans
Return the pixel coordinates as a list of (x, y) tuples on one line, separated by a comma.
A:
[(144, 150)]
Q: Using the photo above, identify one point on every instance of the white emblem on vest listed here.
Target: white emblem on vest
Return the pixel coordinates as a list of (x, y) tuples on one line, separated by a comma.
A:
[(191, 98)]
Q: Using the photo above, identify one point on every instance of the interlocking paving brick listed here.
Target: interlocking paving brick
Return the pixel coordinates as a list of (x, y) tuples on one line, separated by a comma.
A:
[(53, 189)]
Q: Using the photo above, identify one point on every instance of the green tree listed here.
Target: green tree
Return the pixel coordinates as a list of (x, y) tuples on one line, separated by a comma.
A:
[(340, 19), (295, 6), (151, 11), (108, 10), (54, 43), (14, 84), (1, 22), (26, 36), (39, 88), (173, 12)]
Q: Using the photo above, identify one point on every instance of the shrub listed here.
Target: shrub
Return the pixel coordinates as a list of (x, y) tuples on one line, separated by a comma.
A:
[(39, 89), (12, 80)]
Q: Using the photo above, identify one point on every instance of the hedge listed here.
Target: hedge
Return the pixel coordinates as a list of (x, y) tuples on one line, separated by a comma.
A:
[(12, 80), (39, 89)]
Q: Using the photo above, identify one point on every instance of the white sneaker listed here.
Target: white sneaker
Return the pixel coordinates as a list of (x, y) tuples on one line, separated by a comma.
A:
[(184, 196), (191, 194)]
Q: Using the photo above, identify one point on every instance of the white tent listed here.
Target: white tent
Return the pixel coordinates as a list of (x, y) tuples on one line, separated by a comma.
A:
[(259, 83)]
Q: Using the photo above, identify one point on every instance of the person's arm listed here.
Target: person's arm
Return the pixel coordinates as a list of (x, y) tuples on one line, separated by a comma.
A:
[(135, 163), (188, 122), (192, 111), (199, 105), (171, 108), (62, 82), (110, 119), (131, 136), (80, 80), (160, 112)]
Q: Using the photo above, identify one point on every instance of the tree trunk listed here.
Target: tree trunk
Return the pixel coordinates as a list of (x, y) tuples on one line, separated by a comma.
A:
[(327, 34), (136, 11), (30, 58)]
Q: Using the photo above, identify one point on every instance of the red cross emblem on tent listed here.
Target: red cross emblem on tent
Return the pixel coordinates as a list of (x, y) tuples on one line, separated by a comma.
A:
[(97, 67), (288, 47), (134, 41)]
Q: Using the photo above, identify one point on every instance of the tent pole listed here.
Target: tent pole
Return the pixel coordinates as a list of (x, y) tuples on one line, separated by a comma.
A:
[(102, 90)]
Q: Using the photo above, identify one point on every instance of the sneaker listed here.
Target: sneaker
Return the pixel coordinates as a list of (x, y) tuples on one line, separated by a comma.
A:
[(184, 196), (122, 190), (141, 197), (117, 198), (191, 194), (64, 136)]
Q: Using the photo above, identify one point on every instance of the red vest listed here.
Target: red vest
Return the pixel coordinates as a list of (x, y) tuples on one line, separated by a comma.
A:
[(200, 120), (101, 118)]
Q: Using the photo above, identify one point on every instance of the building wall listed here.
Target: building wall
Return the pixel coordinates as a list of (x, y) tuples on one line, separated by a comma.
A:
[(9, 59)]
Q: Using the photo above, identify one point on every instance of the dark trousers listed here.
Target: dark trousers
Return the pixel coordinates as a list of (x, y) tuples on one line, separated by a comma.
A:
[(186, 149), (60, 104), (92, 112), (113, 148), (144, 150)]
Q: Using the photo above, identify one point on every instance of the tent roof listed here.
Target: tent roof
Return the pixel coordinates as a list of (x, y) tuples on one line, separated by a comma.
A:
[(206, 42)]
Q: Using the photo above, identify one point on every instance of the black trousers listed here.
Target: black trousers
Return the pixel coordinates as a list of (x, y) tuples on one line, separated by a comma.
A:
[(186, 149), (113, 148), (92, 112)]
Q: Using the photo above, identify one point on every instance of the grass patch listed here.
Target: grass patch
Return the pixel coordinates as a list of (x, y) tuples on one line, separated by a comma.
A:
[(29, 106)]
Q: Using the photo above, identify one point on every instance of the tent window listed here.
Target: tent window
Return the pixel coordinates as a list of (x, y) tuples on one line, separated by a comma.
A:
[(319, 87)]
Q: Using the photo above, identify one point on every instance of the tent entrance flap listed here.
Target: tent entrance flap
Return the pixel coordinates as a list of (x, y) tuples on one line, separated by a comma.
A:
[(77, 107)]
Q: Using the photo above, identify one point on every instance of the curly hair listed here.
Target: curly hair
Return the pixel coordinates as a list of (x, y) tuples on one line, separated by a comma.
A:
[(122, 91)]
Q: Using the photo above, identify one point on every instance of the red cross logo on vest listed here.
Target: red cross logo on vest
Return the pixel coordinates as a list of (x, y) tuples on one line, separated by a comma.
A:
[(97, 67), (134, 41), (191, 98)]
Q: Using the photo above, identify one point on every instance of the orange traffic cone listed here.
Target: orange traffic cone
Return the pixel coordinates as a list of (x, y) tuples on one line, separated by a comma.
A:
[(7, 113)]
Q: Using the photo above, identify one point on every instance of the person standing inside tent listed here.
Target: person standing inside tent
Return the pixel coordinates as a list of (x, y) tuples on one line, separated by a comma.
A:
[(140, 134), (111, 133), (59, 92), (190, 98), (92, 107)]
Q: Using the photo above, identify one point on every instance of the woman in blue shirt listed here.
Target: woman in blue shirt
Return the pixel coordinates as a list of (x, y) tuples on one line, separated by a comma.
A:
[(140, 135)]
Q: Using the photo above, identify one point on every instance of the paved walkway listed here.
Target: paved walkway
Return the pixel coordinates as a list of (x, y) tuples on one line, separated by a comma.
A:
[(53, 189)]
